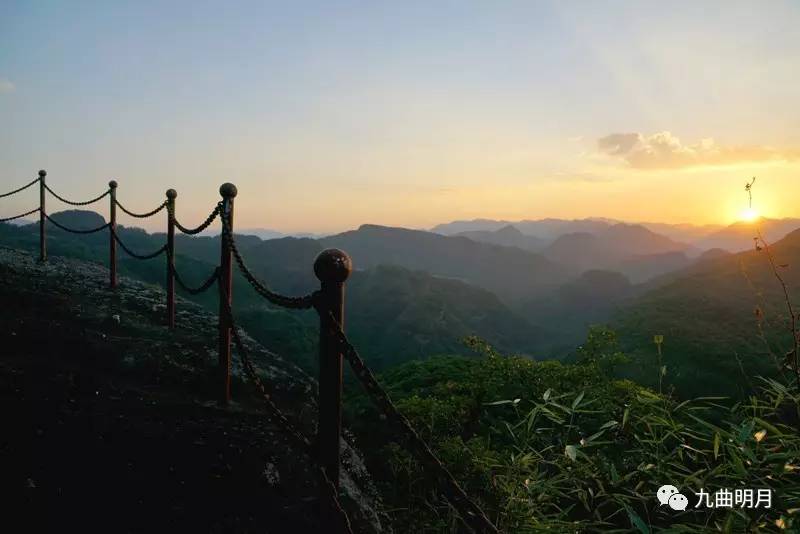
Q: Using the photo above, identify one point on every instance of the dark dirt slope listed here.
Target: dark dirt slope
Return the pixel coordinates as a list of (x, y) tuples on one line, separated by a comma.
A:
[(110, 425)]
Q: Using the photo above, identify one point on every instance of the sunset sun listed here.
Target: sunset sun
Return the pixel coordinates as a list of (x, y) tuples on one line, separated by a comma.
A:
[(749, 215)]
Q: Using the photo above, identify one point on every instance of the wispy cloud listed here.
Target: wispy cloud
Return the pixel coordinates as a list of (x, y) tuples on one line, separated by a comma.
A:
[(6, 86), (663, 150)]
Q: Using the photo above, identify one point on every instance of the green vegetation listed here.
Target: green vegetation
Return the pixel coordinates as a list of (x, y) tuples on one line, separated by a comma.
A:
[(552, 447), (724, 322), (544, 446)]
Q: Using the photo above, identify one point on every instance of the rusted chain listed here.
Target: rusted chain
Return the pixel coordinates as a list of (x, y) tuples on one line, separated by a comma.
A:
[(73, 231), (283, 422), (141, 215), (296, 303), (15, 191), (203, 226), (73, 203), (471, 514), (7, 219), (133, 254)]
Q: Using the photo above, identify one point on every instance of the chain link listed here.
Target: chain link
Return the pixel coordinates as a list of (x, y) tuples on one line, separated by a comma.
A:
[(297, 303), (283, 422), (15, 191), (200, 289), (133, 254), (203, 226), (7, 219), (471, 514), (73, 203), (141, 215), (73, 231)]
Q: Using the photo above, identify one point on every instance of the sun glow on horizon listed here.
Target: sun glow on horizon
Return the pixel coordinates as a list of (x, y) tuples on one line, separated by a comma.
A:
[(749, 215)]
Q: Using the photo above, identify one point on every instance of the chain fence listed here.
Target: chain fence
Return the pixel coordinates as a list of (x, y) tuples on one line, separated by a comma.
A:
[(202, 288), (194, 231), (14, 192), (19, 190), (74, 203), (73, 230), (21, 215), (470, 512), (279, 418), (297, 303), (141, 215), (129, 252)]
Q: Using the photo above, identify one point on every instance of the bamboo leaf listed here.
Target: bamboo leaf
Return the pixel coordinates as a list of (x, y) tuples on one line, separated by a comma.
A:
[(637, 521), (578, 400), (571, 452)]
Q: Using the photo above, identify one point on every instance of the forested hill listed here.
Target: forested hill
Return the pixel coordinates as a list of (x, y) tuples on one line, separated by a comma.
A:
[(104, 407), (417, 294), (394, 313), (509, 272), (725, 321)]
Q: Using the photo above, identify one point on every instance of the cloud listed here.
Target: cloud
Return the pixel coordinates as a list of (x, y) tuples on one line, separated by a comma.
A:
[(665, 151), (6, 86)]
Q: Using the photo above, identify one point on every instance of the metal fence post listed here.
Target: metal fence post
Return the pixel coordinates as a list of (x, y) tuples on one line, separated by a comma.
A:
[(42, 218), (112, 256), (228, 192), (171, 196), (332, 267)]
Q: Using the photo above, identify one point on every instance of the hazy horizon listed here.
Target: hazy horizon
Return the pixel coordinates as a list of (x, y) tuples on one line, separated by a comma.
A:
[(406, 115)]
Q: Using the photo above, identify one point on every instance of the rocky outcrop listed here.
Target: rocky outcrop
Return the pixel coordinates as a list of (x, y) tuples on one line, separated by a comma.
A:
[(61, 315)]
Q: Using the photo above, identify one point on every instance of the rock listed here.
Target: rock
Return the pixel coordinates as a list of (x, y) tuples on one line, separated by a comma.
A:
[(270, 474), (143, 347)]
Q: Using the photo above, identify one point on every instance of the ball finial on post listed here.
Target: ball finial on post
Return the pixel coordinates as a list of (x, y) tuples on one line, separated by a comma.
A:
[(112, 184), (172, 194), (333, 265), (225, 283), (228, 190), (42, 173)]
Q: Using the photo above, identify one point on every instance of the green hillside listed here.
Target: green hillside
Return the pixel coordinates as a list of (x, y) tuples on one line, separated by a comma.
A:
[(395, 314), (550, 447), (724, 321)]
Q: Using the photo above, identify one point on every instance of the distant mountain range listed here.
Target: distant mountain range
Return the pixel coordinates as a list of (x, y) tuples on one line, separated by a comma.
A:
[(393, 313), (734, 238), (613, 247), (739, 236), (509, 236), (509, 272), (415, 293), (266, 233), (547, 229)]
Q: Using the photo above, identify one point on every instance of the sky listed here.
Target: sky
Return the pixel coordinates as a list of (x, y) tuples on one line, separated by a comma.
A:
[(328, 115)]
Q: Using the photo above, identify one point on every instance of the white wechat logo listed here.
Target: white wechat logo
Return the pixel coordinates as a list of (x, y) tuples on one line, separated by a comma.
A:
[(670, 496)]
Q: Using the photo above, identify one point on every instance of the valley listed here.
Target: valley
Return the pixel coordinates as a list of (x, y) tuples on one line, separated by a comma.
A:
[(416, 294)]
